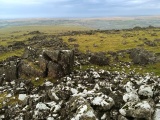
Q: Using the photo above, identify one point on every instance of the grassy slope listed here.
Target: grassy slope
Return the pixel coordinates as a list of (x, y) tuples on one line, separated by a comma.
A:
[(104, 41), (13, 34), (10, 34), (114, 41), (109, 41)]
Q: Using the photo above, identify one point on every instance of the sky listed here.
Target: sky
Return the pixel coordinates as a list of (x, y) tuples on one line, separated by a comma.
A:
[(77, 8)]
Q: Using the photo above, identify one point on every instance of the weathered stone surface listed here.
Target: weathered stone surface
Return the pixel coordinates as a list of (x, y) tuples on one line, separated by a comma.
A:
[(121, 117), (29, 70), (146, 91), (131, 97), (157, 112), (54, 70), (31, 53), (79, 108), (17, 45), (66, 60), (73, 97), (150, 43), (2, 71), (142, 109), (57, 63), (11, 71), (72, 40), (51, 55), (99, 59), (2, 78), (142, 57), (81, 94), (103, 102), (3, 49)]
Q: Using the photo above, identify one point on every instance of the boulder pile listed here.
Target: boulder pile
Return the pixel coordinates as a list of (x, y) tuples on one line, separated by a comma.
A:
[(38, 63), (83, 95)]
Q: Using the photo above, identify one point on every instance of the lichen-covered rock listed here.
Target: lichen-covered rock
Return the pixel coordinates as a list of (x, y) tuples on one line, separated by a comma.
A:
[(1, 69), (104, 102), (56, 63), (129, 86), (43, 63), (66, 60), (156, 115), (54, 70), (99, 59), (79, 109), (82, 94), (121, 117), (131, 97), (59, 92), (27, 69), (146, 91), (2, 79), (118, 99), (11, 70), (52, 95), (51, 55), (30, 53), (42, 106), (141, 56), (142, 109)]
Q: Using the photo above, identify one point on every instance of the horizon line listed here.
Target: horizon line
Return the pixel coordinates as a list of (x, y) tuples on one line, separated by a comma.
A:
[(93, 17)]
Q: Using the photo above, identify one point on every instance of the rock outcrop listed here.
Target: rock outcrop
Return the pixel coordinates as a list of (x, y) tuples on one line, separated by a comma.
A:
[(141, 56), (38, 63), (99, 59), (56, 63)]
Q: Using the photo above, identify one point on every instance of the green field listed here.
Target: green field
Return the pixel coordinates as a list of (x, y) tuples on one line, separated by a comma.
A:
[(99, 41)]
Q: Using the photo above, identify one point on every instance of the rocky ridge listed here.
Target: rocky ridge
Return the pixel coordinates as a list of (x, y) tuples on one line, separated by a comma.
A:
[(75, 94), (79, 95)]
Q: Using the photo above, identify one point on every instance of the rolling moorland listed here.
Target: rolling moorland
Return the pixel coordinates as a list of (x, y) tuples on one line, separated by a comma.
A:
[(77, 70), (93, 23)]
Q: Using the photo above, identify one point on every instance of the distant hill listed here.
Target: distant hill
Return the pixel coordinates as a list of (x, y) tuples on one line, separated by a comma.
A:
[(94, 23)]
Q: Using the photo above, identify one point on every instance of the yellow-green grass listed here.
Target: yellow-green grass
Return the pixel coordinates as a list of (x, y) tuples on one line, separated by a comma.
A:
[(12, 34), (41, 81), (151, 68), (38, 82), (45, 29), (114, 41), (2, 98), (8, 38), (6, 55), (8, 100), (111, 41)]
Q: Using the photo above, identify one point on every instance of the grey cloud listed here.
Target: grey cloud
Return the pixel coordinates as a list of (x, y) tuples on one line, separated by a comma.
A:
[(79, 8)]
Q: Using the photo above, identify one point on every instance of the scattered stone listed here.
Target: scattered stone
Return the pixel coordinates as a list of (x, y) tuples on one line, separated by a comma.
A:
[(22, 97), (99, 59), (79, 109), (75, 94), (142, 109), (141, 56), (150, 43), (145, 91), (72, 40)]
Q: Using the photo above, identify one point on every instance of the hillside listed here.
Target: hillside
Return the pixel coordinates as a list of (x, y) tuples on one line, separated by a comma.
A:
[(92, 23), (75, 73)]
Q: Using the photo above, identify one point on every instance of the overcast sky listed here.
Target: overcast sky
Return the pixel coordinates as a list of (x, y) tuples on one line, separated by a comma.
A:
[(77, 8)]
